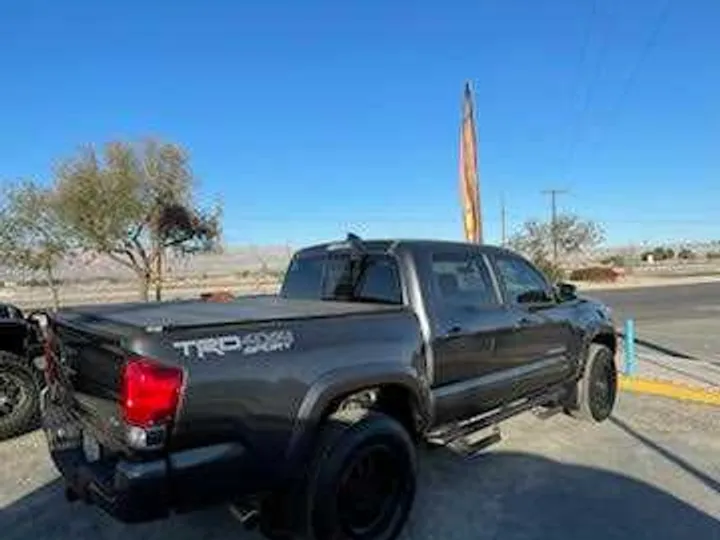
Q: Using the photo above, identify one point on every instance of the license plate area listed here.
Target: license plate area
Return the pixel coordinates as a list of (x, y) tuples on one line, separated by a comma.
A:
[(63, 432), (91, 448)]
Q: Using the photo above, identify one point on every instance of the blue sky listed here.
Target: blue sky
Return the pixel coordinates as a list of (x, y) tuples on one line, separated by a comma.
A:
[(311, 118)]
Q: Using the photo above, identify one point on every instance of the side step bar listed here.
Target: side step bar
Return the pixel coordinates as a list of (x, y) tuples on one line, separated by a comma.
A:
[(470, 449), (543, 413), (452, 432)]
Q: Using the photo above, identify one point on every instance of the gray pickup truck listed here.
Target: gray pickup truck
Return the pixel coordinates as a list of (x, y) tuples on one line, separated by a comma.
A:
[(303, 411)]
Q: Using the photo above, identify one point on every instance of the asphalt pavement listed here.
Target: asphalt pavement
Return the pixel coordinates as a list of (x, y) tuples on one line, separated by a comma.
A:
[(680, 318), (650, 472)]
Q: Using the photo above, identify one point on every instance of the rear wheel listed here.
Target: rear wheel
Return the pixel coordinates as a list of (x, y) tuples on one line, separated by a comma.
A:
[(596, 392), (19, 396), (361, 483)]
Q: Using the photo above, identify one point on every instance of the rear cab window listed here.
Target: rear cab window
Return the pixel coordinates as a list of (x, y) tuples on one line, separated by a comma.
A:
[(336, 276)]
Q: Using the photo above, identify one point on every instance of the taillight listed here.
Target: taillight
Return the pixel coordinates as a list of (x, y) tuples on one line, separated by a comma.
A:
[(49, 345), (150, 392)]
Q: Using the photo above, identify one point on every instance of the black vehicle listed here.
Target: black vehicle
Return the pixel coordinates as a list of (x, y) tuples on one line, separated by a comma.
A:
[(303, 410), (21, 371)]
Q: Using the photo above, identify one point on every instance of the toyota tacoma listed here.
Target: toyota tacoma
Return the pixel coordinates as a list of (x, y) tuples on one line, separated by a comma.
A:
[(303, 411)]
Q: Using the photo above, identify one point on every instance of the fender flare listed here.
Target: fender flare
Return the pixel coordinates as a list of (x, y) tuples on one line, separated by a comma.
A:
[(596, 330), (347, 380)]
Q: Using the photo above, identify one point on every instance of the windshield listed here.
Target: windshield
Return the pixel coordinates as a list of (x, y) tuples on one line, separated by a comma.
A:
[(338, 277)]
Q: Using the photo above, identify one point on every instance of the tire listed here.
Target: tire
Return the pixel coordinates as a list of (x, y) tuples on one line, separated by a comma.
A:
[(19, 396), (352, 446), (596, 392)]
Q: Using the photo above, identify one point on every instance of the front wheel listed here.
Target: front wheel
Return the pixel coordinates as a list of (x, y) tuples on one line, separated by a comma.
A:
[(596, 392)]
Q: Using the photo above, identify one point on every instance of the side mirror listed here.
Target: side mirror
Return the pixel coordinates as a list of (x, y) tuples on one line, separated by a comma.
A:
[(566, 291)]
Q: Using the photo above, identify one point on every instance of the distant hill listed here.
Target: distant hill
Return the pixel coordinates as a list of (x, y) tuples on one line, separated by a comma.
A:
[(240, 259), (236, 259)]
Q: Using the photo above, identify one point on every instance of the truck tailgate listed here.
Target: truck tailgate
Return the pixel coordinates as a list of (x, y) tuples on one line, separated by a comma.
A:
[(86, 370)]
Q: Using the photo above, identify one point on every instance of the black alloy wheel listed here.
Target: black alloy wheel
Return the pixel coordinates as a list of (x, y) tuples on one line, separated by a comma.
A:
[(602, 386), (369, 491), (12, 394), (19, 396)]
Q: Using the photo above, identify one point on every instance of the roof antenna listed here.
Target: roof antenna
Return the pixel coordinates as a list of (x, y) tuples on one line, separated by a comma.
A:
[(356, 244)]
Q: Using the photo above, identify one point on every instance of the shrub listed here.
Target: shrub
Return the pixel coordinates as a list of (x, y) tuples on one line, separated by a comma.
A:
[(614, 260), (663, 254), (552, 271), (686, 254), (35, 282), (276, 273), (594, 273)]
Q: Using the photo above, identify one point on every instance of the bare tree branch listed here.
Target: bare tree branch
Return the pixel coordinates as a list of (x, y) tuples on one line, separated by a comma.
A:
[(575, 236)]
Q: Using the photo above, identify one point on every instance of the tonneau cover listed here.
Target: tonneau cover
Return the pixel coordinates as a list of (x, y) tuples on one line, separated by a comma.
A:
[(192, 313)]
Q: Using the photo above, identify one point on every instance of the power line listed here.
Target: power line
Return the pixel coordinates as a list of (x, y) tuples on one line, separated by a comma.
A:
[(580, 117), (586, 43), (626, 86), (553, 223), (503, 220), (652, 38)]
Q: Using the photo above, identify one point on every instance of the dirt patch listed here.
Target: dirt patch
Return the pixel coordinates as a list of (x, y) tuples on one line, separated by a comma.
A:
[(105, 292)]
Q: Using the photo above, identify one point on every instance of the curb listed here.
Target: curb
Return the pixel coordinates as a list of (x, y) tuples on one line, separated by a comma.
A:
[(669, 389)]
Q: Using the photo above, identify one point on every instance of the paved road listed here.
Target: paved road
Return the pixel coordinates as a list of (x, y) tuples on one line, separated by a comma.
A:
[(651, 472), (684, 318), (650, 304)]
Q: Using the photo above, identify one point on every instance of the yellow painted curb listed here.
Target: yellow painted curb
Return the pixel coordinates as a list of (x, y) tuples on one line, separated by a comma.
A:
[(669, 389)]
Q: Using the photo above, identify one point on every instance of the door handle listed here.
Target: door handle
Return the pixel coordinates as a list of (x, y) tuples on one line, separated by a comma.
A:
[(523, 322)]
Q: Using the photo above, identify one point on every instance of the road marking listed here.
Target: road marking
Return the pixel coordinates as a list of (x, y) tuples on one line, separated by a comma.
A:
[(669, 389), (707, 308)]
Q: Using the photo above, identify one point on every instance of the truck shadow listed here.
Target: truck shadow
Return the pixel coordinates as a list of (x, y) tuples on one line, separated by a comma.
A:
[(700, 476), (508, 495), (513, 495), (657, 347)]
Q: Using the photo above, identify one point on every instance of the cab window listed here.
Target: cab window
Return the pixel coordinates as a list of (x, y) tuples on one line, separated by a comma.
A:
[(522, 282), (462, 280)]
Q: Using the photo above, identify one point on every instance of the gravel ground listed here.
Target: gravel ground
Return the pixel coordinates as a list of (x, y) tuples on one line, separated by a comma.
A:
[(651, 471)]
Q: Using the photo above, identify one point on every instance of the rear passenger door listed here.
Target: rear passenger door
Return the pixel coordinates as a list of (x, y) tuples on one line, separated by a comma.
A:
[(539, 348), (467, 320)]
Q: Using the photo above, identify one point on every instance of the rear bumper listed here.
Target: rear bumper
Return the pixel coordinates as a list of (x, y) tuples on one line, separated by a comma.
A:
[(140, 491), (130, 492)]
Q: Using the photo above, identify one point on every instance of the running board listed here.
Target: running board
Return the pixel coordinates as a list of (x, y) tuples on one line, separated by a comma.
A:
[(543, 413), (445, 435), (246, 515), (471, 449)]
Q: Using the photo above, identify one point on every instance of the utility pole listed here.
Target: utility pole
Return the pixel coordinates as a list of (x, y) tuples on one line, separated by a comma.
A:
[(553, 223), (503, 220)]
